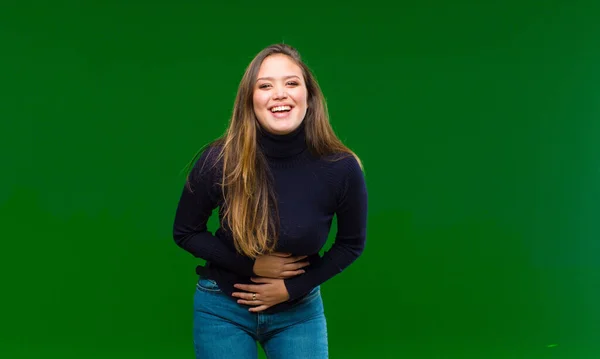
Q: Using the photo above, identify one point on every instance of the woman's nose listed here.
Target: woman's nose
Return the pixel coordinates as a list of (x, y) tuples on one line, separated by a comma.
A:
[(279, 93)]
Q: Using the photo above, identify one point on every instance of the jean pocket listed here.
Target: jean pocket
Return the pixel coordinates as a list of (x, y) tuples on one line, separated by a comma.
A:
[(207, 285)]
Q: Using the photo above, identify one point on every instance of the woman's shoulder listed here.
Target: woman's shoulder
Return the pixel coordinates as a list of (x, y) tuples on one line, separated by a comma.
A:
[(342, 168), (211, 152), (345, 161), (207, 161)]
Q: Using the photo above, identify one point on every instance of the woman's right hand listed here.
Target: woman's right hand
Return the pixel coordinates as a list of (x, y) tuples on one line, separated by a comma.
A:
[(279, 265)]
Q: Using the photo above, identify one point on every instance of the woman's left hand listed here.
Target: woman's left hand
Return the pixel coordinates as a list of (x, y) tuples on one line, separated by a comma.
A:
[(268, 292)]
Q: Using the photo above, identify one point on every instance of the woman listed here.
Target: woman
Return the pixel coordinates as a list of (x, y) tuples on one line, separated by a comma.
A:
[(278, 176)]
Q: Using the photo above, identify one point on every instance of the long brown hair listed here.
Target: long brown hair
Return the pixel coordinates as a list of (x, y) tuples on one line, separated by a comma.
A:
[(250, 203)]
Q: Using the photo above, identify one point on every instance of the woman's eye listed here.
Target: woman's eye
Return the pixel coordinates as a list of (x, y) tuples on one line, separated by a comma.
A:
[(289, 83)]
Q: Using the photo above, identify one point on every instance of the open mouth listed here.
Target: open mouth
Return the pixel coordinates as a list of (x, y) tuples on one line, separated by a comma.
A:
[(281, 109)]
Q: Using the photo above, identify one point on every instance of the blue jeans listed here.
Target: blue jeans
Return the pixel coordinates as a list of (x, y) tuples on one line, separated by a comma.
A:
[(225, 329)]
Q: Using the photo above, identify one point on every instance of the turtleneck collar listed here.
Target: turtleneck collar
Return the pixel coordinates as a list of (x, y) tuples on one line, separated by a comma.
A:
[(282, 146)]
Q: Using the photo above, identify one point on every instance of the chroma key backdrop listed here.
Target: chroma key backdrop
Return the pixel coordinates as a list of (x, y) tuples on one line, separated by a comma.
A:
[(478, 123)]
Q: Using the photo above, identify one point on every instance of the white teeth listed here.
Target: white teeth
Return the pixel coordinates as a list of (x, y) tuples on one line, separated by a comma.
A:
[(281, 108)]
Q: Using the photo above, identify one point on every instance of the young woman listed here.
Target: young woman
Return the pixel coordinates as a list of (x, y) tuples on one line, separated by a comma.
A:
[(278, 176)]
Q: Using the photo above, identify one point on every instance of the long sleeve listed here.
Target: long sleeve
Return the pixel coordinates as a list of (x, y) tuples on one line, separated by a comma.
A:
[(198, 200), (350, 237)]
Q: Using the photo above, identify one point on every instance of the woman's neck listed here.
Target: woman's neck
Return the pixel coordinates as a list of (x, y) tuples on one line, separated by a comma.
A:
[(282, 146)]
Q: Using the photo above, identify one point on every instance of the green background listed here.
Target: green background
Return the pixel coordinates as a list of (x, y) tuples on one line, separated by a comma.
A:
[(477, 121)]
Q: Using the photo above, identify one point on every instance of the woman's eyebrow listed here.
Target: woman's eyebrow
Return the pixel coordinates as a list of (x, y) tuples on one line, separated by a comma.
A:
[(271, 78)]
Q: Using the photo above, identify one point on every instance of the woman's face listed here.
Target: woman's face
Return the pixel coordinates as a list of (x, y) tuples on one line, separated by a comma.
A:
[(280, 96)]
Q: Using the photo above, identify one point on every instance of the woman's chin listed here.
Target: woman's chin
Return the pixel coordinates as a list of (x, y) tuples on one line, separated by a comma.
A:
[(282, 127)]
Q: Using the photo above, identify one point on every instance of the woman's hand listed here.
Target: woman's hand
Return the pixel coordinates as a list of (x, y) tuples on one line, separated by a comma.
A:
[(267, 293), (279, 265)]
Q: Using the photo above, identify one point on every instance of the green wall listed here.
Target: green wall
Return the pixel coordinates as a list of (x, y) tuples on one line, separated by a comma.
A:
[(478, 124)]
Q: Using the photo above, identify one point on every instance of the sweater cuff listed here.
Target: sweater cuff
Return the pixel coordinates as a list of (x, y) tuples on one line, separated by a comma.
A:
[(247, 266), (296, 288)]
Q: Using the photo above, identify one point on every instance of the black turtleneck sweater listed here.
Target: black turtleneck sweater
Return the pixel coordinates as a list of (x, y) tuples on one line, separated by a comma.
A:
[(309, 190)]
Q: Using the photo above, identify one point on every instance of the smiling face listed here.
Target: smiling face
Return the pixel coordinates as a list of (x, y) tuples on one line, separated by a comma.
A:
[(280, 96)]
